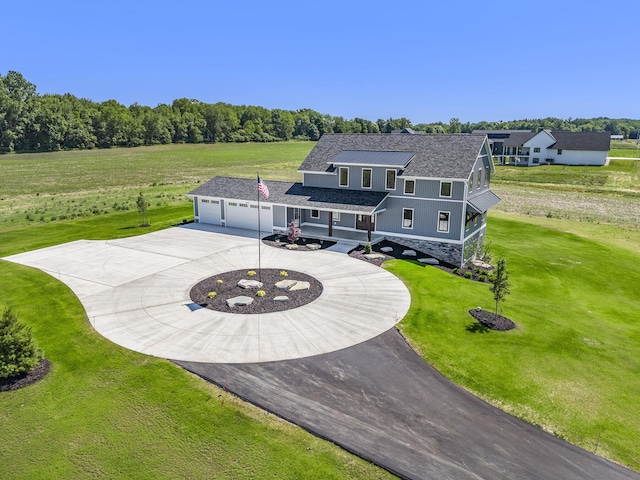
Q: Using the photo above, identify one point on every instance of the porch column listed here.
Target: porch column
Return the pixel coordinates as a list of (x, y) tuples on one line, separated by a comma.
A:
[(369, 228), (331, 224)]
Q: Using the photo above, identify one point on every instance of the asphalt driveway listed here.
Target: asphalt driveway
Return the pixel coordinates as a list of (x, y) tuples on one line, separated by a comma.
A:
[(381, 401)]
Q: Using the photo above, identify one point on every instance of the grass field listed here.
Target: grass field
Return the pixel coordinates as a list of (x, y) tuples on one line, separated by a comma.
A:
[(53, 187), (571, 238), (624, 148)]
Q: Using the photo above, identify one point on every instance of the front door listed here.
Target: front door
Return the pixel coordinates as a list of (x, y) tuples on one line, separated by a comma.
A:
[(365, 222)]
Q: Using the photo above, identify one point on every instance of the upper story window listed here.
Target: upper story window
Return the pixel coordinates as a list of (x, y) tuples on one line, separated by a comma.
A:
[(559, 151), (344, 176), (445, 189), (366, 178), (479, 178), (471, 182), (391, 180), (536, 149), (409, 187)]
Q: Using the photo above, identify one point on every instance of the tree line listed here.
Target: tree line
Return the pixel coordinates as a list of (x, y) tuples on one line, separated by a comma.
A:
[(30, 122)]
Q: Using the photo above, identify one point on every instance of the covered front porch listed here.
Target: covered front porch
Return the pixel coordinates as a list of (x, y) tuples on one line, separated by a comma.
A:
[(355, 236)]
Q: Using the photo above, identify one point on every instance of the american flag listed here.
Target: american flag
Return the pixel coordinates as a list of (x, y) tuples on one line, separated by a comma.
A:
[(262, 188)]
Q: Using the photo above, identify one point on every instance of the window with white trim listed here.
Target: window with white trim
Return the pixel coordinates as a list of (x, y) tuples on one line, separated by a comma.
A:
[(471, 182), (344, 176), (390, 180), (559, 151), (335, 216), (445, 189), (443, 222), (536, 149), (536, 160), (479, 178), (407, 218), (366, 178), (409, 187), (315, 213)]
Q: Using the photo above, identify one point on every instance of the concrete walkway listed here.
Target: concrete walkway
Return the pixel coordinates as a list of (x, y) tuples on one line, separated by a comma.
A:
[(136, 293)]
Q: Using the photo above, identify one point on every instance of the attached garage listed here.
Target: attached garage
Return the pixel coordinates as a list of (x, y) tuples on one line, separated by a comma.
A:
[(209, 211), (245, 215)]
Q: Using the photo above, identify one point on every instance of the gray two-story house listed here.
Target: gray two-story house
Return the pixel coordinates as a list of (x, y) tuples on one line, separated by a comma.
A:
[(429, 192)]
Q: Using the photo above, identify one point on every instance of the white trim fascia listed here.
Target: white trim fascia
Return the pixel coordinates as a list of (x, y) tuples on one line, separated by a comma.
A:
[(419, 237), (368, 165), (483, 227), (426, 199), (315, 173)]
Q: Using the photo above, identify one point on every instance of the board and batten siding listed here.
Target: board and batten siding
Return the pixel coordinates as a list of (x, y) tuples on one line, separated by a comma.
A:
[(322, 220), (423, 188), (425, 217), (279, 216)]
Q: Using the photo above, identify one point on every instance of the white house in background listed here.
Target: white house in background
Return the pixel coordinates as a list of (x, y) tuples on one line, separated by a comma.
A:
[(551, 147)]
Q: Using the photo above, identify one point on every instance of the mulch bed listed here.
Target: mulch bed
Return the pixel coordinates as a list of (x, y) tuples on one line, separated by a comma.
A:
[(272, 241), (37, 373), (229, 288), (492, 320), (396, 253)]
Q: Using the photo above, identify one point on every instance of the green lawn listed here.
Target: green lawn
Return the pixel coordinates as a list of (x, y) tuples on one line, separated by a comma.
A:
[(572, 364), (570, 367), (107, 412)]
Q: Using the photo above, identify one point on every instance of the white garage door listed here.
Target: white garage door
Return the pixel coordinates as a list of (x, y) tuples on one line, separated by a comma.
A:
[(245, 215), (209, 211)]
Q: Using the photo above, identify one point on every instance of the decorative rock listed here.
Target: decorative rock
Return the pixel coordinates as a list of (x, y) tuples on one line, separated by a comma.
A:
[(249, 283), (281, 298), (480, 264), (386, 249), (373, 256), (291, 246), (409, 253), (285, 284), (240, 301), (313, 246), (300, 286), (429, 261)]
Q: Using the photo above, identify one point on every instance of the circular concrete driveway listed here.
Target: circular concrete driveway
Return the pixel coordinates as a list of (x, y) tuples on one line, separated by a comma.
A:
[(136, 293)]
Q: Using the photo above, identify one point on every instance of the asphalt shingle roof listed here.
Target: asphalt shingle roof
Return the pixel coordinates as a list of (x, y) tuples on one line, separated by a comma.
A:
[(292, 194), (436, 156), (595, 141), (516, 139)]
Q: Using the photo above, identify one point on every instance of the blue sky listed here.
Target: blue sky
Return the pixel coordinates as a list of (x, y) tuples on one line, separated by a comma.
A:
[(427, 61)]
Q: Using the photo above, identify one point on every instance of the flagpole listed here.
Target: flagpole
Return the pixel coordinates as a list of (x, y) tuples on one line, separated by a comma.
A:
[(259, 259)]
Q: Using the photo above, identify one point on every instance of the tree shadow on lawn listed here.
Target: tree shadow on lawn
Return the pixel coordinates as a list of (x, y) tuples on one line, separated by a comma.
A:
[(476, 327)]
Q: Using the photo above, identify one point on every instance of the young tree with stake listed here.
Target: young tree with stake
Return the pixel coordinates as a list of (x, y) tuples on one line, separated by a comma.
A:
[(500, 286)]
